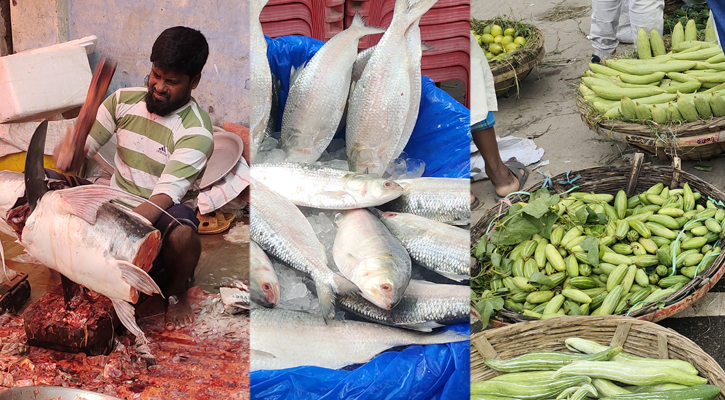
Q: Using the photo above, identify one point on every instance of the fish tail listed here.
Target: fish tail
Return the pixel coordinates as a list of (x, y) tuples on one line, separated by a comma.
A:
[(125, 314), (442, 337), (416, 9), (359, 25), (326, 294)]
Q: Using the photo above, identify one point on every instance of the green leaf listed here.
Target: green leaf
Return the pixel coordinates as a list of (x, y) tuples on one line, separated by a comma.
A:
[(591, 246), (505, 268), (538, 277), (496, 302), (481, 247), (496, 260), (582, 214), (553, 200), (537, 208), (516, 231), (485, 309)]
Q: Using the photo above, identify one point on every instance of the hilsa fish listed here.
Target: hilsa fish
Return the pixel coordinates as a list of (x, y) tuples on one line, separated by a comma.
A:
[(260, 81), (381, 100), (318, 96), (87, 237), (287, 339), (264, 285), (320, 187), (445, 200)]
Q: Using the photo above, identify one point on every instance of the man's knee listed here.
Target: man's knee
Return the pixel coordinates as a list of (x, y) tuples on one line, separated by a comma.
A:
[(184, 238)]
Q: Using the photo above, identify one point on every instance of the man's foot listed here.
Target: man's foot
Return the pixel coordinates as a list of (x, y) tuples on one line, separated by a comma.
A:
[(178, 312), (509, 182)]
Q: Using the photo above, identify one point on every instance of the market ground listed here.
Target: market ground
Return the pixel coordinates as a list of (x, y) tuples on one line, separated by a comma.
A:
[(545, 111)]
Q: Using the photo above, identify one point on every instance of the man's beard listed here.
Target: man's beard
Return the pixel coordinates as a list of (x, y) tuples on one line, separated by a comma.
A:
[(160, 108)]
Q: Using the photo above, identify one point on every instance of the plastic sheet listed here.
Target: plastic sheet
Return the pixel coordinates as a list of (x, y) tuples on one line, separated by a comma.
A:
[(436, 372), (441, 137)]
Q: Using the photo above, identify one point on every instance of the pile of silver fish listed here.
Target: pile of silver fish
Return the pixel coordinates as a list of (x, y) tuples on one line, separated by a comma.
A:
[(375, 95), (374, 253)]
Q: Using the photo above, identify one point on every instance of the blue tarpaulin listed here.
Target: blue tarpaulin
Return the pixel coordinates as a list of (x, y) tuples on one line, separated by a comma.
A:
[(441, 139), (718, 14)]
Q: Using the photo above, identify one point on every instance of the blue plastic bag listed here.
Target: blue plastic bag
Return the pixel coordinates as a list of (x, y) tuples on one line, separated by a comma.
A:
[(718, 14), (439, 372), (436, 372), (441, 137)]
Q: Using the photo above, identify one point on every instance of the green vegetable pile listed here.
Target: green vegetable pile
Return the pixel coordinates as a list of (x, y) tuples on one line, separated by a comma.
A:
[(592, 371), (700, 13), (583, 255), (684, 85)]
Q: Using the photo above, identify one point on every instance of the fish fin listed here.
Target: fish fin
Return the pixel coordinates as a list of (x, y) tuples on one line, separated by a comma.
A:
[(126, 315), (422, 327), (259, 354), (344, 285), (455, 277), (426, 47), (416, 9), (359, 23), (84, 201), (294, 73), (137, 278), (326, 295)]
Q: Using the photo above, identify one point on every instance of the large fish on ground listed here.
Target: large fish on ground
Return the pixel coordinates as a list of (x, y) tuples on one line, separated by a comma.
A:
[(263, 282), (316, 186), (260, 81), (280, 229), (317, 99), (372, 258), (424, 306), (380, 103), (286, 339), (87, 237), (440, 199), (434, 245)]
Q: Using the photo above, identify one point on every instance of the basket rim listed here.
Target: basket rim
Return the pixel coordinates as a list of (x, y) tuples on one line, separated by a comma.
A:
[(706, 365), (709, 276), (519, 64)]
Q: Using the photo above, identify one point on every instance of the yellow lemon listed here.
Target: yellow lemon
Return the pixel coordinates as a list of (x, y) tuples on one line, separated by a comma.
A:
[(489, 55), (497, 39), (520, 41), (486, 38), (487, 29), (509, 32), (506, 40), (495, 48), (496, 31), (511, 47)]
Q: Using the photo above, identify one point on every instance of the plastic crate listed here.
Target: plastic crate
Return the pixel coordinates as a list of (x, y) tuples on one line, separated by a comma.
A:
[(285, 28), (325, 18)]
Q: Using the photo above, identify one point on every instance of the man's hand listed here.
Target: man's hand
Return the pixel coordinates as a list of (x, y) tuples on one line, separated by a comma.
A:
[(152, 213), (65, 156)]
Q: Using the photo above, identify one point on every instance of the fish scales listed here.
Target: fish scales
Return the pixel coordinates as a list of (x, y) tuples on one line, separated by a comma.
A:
[(440, 199), (434, 245), (424, 306), (260, 82), (286, 339), (325, 188)]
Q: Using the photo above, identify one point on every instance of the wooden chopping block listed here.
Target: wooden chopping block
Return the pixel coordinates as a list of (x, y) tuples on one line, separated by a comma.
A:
[(89, 328), (69, 155), (14, 293)]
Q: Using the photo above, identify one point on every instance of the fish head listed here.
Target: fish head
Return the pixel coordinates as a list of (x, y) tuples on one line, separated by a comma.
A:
[(374, 189), (377, 283), (265, 293)]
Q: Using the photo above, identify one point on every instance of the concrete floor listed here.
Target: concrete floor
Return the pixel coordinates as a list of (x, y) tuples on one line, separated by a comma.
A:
[(219, 258)]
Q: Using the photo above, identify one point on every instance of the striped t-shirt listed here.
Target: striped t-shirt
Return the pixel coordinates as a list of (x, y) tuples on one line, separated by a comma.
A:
[(155, 155)]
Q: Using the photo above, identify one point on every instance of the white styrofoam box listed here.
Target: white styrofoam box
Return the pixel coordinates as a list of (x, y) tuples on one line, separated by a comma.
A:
[(40, 81)]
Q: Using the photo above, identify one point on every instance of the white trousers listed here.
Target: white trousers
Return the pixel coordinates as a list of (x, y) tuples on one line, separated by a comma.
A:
[(615, 21)]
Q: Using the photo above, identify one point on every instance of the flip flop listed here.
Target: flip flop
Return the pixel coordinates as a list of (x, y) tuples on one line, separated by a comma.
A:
[(214, 222), (476, 205), (514, 166)]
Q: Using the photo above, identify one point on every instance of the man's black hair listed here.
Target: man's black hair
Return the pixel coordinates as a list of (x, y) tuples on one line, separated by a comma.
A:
[(181, 50)]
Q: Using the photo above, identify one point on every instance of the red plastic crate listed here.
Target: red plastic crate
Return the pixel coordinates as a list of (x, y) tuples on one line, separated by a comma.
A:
[(444, 46), (457, 73), (325, 18)]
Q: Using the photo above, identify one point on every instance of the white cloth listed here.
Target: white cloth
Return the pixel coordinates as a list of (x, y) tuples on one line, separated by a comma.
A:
[(226, 189), (483, 92), (15, 137), (608, 15)]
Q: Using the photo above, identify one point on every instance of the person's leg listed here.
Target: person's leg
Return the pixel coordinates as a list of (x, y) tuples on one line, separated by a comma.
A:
[(605, 21), (502, 178), (180, 253)]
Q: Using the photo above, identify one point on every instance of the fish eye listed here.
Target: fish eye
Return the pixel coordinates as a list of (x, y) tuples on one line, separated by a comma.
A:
[(388, 184), (386, 287), (389, 215), (267, 286)]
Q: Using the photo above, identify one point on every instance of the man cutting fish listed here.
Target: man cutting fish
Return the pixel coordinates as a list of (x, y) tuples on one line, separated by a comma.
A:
[(164, 142)]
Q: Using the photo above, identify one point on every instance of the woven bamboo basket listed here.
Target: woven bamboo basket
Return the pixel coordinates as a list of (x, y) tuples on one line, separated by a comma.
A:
[(635, 178), (639, 338), (697, 140), (672, 5), (510, 73)]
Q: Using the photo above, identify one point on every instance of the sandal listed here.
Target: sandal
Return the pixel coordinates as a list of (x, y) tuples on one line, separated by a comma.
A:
[(214, 222), (476, 205), (514, 166)]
